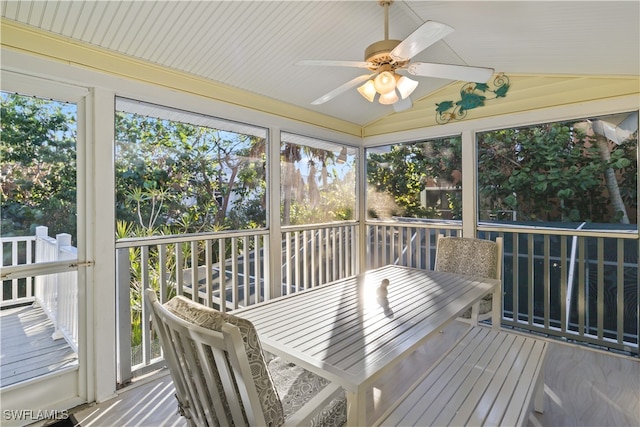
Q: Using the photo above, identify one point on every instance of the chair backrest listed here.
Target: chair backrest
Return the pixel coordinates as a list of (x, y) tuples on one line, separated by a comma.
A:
[(476, 257), (217, 365)]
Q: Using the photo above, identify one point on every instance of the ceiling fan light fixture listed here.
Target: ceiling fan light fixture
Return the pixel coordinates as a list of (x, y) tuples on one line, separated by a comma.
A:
[(368, 90), (385, 82), (385, 57), (406, 86), (389, 98)]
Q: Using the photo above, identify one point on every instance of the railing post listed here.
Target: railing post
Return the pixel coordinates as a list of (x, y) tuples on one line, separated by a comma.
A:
[(41, 233), (62, 240), (123, 316), (66, 295)]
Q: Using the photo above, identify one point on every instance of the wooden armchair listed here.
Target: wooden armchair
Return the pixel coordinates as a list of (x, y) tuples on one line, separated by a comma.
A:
[(474, 257), (221, 376)]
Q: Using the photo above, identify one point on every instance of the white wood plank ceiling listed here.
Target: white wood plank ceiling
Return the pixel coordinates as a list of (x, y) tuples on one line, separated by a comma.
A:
[(254, 45)]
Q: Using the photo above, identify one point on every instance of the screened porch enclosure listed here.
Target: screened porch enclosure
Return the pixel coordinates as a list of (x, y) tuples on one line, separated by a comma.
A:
[(187, 225), (202, 167)]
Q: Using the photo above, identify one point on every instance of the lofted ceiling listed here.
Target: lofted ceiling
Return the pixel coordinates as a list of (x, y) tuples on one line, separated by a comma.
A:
[(254, 45)]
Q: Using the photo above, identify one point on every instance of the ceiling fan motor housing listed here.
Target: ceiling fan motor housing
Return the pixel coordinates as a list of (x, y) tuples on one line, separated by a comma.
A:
[(378, 53)]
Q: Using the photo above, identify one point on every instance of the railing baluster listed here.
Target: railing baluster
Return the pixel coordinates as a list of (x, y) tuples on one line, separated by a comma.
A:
[(256, 265), (145, 315), (381, 236), (179, 268), (208, 284), (341, 250), (287, 261), (546, 270), (323, 260), (313, 261), (516, 279), (234, 274), (620, 293), (14, 261), (353, 253), (264, 275), (297, 256), (564, 283), (123, 315), (530, 279), (582, 291), (247, 270), (222, 276), (419, 255), (600, 291), (329, 276), (390, 257), (195, 285), (162, 268), (410, 238), (386, 246), (305, 259), (334, 251), (29, 280), (370, 246)]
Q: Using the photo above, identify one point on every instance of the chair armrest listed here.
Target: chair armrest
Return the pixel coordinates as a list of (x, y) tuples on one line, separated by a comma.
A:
[(310, 409)]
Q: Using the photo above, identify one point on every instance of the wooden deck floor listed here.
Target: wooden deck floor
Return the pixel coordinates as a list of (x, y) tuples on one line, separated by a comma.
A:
[(27, 349), (583, 387)]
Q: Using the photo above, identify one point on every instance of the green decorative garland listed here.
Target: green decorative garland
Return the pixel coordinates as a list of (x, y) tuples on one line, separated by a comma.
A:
[(471, 97)]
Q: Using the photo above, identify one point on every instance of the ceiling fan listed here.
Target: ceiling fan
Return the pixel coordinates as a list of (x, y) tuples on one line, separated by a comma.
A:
[(384, 58)]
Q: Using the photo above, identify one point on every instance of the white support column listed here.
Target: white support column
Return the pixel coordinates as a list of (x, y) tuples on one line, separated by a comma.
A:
[(274, 274), (361, 194), (100, 228), (469, 184)]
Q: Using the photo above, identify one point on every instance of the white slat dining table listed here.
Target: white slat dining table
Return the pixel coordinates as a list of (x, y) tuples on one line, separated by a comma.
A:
[(351, 331)]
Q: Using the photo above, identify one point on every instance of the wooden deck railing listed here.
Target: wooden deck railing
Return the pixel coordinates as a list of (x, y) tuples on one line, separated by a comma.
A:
[(15, 251), (229, 270), (316, 254), (580, 285), (407, 242), (56, 293), (221, 270)]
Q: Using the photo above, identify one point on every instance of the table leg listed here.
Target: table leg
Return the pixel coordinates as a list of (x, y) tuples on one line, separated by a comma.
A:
[(352, 409), (496, 308), (362, 406), (356, 408), (475, 311)]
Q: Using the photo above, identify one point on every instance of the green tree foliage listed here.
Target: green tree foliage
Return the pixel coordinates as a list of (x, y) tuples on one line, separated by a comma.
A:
[(406, 170), (187, 176), (548, 172), (324, 195), (38, 176), (552, 172)]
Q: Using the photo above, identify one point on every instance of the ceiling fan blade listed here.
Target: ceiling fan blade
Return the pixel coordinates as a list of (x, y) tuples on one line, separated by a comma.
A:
[(426, 35), (451, 72), (341, 89), (330, 63)]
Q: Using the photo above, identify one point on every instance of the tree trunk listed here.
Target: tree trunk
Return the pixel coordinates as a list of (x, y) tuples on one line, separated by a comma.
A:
[(611, 181)]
